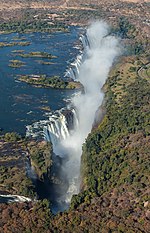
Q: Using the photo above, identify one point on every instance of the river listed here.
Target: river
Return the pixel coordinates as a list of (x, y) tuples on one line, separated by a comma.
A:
[(20, 103)]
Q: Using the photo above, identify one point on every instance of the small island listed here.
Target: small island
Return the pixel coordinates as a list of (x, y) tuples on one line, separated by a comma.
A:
[(11, 44), (17, 51), (37, 54), (41, 62), (52, 82), (16, 63)]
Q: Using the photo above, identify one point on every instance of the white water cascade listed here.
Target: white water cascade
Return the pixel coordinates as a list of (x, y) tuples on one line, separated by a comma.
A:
[(69, 131), (59, 127)]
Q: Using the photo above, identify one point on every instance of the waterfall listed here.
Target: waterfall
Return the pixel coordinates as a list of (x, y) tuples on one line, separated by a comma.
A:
[(73, 71), (56, 129), (59, 126), (99, 52), (74, 68), (13, 198), (85, 41), (68, 130)]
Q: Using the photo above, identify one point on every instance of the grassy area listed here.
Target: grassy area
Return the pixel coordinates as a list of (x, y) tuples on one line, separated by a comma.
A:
[(126, 73)]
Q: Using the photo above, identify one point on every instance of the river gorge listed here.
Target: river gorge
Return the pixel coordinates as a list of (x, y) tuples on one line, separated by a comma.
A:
[(72, 113), (68, 128)]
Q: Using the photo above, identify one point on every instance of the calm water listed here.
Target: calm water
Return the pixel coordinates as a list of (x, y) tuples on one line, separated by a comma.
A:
[(20, 103)]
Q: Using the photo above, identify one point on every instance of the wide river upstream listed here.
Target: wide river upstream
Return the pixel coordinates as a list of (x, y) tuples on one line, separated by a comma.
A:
[(24, 105), (20, 103)]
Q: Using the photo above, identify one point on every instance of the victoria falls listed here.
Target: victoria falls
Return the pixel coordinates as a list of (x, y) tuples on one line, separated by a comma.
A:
[(74, 116), (68, 128)]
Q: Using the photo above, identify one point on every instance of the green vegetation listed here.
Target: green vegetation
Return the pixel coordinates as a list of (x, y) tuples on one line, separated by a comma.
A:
[(16, 63), (11, 137), (38, 220), (53, 82), (114, 193), (126, 29), (41, 157), (16, 153), (109, 151), (77, 15), (11, 44), (22, 43), (115, 165), (37, 54), (31, 25), (13, 180)]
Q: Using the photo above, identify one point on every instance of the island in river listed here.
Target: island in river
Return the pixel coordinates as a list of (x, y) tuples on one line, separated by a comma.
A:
[(21, 103), (53, 82)]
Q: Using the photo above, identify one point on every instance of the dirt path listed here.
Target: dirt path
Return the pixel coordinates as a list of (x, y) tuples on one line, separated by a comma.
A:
[(144, 72), (65, 4)]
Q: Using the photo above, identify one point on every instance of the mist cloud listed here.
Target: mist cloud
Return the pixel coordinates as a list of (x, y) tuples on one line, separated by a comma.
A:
[(100, 53)]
